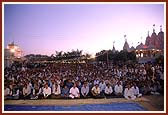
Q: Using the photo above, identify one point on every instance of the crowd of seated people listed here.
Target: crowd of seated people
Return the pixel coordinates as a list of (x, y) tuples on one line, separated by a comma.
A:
[(82, 80)]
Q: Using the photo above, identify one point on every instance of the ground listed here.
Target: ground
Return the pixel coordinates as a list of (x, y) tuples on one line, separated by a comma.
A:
[(151, 103)]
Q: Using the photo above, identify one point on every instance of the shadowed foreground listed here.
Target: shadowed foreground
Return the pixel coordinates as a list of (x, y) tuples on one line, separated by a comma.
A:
[(149, 103)]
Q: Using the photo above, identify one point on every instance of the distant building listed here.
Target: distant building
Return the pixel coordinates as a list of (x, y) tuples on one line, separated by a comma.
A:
[(126, 45), (153, 47), (12, 53)]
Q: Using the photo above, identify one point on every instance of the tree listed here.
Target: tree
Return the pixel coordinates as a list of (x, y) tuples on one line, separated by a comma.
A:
[(122, 56), (159, 59)]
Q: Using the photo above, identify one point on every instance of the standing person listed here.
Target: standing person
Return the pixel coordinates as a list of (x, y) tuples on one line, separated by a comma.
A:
[(74, 92), (118, 89), (85, 90), (128, 93), (46, 91)]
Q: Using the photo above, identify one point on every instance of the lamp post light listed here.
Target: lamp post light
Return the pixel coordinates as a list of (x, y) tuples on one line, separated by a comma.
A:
[(107, 58)]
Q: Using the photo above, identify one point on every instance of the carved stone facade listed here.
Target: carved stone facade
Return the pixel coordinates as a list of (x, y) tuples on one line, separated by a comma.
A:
[(156, 40), (153, 47)]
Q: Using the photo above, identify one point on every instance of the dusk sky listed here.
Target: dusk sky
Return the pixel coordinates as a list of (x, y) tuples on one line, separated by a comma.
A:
[(43, 29)]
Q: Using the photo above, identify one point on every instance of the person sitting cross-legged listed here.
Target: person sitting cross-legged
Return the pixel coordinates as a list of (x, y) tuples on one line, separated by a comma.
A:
[(84, 90), (14, 92), (108, 91), (6, 92), (95, 91), (136, 90), (37, 92), (74, 92), (46, 91), (26, 92), (65, 92), (128, 93), (118, 89), (56, 93)]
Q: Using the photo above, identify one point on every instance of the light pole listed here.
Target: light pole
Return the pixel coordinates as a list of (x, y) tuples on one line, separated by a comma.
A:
[(107, 60)]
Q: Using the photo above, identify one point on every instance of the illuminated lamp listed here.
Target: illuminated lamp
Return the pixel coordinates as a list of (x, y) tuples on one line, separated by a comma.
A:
[(12, 50)]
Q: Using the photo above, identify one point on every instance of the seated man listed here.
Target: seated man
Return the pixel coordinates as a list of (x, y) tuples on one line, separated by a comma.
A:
[(65, 92), (118, 89), (102, 86), (74, 92), (84, 90), (128, 93), (46, 91), (26, 92), (14, 92), (136, 90), (108, 90), (6, 92), (96, 91), (56, 92), (37, 92)]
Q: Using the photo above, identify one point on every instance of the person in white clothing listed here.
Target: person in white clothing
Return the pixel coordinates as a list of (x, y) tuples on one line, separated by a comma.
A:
[(96, 81), (136, 90), (128, 93), (26, 91), (84, 90), (6, 92), (56, 92), (74, 92), (102, 86), (108, 90), (95, 91), (118, 89), (46, 91), (37, 92)]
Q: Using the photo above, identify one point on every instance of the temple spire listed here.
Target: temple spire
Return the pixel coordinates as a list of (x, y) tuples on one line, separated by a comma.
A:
[(113, 43), (141, 39), (148, 33), (160, 28), (153, 28), (125, 38)]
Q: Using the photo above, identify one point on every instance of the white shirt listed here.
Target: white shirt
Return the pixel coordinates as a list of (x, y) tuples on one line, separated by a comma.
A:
[(34, 92), (17, 93), (118, 89), (96, 82), (128, 92), (135, 91), (74, 91), (56, 91), (102, 86), (26, 91), (47, 91), (6, 91), (108, 90), (85, 90), (96, 90)]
